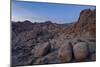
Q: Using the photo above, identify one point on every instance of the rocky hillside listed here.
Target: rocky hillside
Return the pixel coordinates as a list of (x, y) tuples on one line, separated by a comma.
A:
[(86, 24), (50, 43)]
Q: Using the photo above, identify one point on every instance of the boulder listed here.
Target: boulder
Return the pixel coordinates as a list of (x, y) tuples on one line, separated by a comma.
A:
[(81, 51), (65, 52), (41, 50), (51, 58)]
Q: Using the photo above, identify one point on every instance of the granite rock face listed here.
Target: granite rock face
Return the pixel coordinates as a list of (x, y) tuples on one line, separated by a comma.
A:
[(86, 24), (80, 51), (65, 52), (41, 50)]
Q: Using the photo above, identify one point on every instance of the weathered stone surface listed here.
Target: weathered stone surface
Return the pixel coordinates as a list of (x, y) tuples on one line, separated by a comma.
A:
[(81, 51), (41, 50), (48, 59), (65, 52)]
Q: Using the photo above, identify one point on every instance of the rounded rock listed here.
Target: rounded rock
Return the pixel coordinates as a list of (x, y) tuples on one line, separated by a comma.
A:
[(80, 50), (65, 52)]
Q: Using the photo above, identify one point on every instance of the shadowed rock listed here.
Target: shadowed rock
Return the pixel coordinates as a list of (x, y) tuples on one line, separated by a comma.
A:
[(41, 50)]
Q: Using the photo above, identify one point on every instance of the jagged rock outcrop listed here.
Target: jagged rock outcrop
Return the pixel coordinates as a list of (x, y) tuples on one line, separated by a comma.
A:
[(86, 24)]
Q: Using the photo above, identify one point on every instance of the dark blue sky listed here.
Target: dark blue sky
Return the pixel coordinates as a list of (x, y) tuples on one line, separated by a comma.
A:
[(40, 12)]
